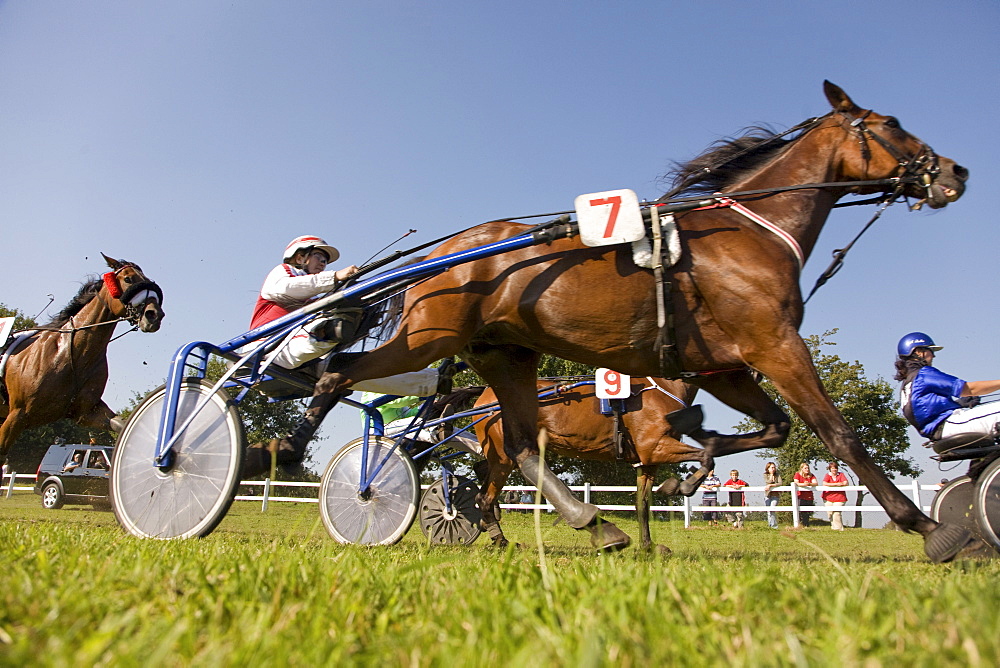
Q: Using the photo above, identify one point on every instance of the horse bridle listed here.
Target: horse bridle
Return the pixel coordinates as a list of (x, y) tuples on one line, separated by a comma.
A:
[(923, 166), (135, 295)]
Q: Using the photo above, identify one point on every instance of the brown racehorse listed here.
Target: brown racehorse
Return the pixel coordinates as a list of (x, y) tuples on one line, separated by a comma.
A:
[(735, 297), (576, 428), (61, 370)]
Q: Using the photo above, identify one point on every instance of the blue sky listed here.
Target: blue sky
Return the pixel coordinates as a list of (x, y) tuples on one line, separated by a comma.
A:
[(198, 137)]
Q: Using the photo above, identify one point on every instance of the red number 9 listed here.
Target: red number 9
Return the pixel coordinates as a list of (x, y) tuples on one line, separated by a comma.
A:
[(614, 381)]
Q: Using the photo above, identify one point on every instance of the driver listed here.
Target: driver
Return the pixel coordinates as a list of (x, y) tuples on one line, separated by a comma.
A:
[(937, 404), (301, 277)]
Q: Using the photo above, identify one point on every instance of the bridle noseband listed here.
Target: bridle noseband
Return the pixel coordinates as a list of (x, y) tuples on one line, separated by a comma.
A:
[(136, 295)]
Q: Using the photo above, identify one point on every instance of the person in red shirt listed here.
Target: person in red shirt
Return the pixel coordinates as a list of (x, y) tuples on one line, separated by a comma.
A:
[(805, 481), (836, 497), (736, 498)]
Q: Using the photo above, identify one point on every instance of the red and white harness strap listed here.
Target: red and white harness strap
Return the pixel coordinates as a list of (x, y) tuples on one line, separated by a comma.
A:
[(725, 202)]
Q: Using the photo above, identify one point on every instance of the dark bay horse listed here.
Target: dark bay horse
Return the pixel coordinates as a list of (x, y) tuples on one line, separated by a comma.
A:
[(577, 428), (60, 371), (734, 292)]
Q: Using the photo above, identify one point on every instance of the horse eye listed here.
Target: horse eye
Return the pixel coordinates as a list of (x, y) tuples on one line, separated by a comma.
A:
[(129, 279), (892, 122)]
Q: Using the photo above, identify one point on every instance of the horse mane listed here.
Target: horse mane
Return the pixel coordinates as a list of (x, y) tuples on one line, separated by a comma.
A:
[(85, 295), (726, 161)]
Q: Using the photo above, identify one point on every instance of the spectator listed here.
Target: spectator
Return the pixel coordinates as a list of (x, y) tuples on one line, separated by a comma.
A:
[(736, 498), (772, 479), (710, 497), (806, 482), (75, 463), (835, 498)]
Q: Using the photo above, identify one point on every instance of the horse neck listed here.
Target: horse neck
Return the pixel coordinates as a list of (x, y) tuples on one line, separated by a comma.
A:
[(92, 339), (801, 213)]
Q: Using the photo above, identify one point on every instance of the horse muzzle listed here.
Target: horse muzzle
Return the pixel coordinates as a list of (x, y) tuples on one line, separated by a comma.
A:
[(947, 186), (150, 316)]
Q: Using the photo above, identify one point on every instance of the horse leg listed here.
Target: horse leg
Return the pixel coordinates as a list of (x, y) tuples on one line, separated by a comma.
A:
[(739, 390), (791, 371), (512, 373), (12, 426), (101, 417), (645, 476), (497, 472)]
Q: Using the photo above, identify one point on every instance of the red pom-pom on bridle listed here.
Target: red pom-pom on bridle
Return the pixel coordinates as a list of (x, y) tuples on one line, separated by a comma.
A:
[(111, 283)]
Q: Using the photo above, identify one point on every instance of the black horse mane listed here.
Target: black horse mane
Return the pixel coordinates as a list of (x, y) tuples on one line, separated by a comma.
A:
[(86, 294), (726, 161)]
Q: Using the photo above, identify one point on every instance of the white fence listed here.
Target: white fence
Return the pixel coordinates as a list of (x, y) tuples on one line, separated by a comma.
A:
[(10, 485), (689, 508), (921, 495)]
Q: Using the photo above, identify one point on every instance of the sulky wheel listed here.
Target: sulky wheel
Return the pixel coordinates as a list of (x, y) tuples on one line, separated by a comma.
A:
[(953, 504), (189, 498), (380, 514), (457, 525), (986, 502)]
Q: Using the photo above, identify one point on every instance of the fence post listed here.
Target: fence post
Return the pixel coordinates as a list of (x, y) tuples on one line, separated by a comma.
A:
[(687, 512), (916, 492), (795, 505), (11, 477), (267, 492), (586, 492)]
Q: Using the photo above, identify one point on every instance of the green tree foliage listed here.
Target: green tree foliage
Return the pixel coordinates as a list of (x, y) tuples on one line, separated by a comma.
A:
[(869, 406), (21, 321)]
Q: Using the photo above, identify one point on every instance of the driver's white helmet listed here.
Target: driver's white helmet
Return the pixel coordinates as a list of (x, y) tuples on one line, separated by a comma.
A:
[(302, 243)]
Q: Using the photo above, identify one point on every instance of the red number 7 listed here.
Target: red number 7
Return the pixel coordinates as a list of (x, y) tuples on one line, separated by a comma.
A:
[(616, 203)]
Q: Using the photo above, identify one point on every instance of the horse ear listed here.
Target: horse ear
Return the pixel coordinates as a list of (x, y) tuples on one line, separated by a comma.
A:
[(838, 98), (113, 263)]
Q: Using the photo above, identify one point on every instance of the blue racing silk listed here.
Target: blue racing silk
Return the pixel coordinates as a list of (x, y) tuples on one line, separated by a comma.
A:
[(931, 397)]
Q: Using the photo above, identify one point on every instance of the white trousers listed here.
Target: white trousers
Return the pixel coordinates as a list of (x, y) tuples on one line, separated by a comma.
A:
[(980, 419), (835, 516), (301, 346)]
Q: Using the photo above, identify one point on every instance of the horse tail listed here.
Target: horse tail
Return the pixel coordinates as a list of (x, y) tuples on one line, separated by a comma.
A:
[(389, 312)]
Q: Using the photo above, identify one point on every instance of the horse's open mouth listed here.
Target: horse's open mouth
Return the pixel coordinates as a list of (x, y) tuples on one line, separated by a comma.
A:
[(941, 196)]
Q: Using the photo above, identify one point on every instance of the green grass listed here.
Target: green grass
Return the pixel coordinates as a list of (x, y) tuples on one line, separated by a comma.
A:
[(273, 588)]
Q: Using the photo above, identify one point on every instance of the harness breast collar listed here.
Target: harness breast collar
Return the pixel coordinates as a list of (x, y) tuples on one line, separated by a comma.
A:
[(793, 245)]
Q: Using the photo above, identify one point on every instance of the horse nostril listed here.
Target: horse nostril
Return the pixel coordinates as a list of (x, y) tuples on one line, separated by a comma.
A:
[(961, 172)]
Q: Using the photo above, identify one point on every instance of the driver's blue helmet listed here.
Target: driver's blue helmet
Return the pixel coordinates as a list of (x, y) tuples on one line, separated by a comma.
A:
[(915, 340)]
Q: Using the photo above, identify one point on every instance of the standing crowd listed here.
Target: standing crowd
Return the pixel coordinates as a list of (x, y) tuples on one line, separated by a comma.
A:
[(805, 483)]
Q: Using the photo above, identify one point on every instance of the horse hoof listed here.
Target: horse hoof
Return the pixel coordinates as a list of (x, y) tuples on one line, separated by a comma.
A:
[(945, 542), (669, 487), (606, 537)]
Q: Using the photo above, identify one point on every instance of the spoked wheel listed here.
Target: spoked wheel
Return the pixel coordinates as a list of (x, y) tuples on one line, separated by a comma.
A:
[(379, 515), (190, 497), (986, 502), (953, 504), (458, 525)]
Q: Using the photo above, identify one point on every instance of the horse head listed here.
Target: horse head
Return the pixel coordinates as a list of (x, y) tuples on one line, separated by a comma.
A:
[(133, 296), (878, 147)]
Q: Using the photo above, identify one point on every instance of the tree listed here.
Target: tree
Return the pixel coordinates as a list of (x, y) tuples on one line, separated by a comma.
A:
[(868, 406)]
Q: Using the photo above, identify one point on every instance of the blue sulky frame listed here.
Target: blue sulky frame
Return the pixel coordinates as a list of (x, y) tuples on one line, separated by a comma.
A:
[(249, 349)]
